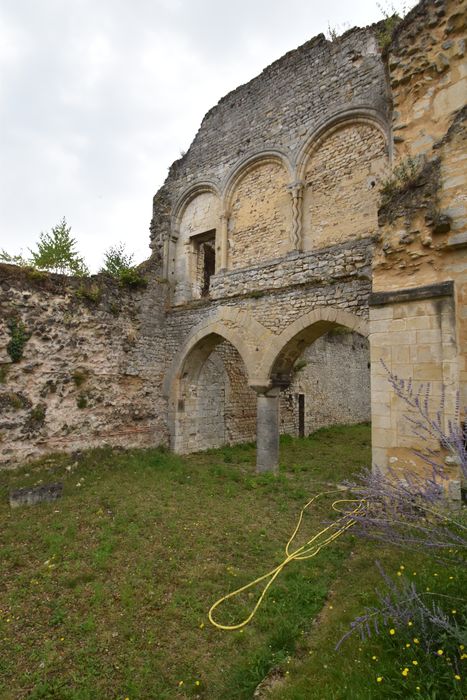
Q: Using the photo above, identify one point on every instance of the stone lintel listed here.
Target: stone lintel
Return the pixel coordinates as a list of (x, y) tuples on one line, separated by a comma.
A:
[(430, 291)]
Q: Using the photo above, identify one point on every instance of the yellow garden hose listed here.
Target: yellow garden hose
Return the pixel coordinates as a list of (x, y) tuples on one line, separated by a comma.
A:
[(307, 551)]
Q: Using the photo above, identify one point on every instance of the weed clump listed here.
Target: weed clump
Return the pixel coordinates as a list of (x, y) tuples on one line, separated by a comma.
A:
[(403, 177), (19, 338)]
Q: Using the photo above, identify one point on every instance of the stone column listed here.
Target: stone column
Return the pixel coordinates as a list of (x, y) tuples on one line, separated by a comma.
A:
[(296, 191), (267, 430), (224, 239)]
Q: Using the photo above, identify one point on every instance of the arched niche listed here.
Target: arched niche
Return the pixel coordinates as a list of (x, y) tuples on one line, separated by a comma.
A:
[(211, 401), (259, 206), (342, 176), (196, 232)]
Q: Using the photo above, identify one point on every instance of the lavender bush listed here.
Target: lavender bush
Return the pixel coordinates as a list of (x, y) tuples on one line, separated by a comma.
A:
[(413, 512)]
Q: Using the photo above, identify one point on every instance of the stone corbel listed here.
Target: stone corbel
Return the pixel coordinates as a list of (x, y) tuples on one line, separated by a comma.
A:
[(296, 192)]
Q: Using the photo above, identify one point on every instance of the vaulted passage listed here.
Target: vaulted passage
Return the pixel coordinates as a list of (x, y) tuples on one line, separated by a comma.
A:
[(320, 377), (330, 384), (215, 405)]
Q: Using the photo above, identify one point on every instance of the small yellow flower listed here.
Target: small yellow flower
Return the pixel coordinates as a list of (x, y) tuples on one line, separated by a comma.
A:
[(440, 652), (454, 612), (410, 623), (197, 683), (407, 645), (399, 573), (414, 573), (416, 641), (374, 658), (402, 567), (464, 656), (405, 672), (418, 687), (379, 679), (427, 588), (451, 577), (461, 647), (330, 607), (392, 631), (457, 677), (415, 662), (180, 683)]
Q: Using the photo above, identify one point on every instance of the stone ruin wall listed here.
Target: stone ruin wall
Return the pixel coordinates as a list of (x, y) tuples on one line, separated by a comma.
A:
[(91, 370), (418, 310), (240, 178)]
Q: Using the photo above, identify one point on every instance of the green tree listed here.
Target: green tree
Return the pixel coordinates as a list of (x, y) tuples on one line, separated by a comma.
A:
[(56, 252), (119, 264), (117, 260), (13, 259)]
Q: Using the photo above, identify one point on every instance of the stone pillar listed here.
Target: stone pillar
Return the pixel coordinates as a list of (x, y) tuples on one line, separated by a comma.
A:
[(224, 242), (267, 430), (296, 191)]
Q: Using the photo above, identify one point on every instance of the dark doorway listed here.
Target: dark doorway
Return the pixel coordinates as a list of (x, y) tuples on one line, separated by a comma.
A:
[(209, 266), (301, 415)]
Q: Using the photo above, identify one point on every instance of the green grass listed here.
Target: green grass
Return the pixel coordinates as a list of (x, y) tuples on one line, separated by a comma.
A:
[(105, 593)]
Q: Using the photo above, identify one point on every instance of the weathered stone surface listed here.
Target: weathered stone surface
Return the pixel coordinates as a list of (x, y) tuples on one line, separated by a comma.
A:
[(36, 494)]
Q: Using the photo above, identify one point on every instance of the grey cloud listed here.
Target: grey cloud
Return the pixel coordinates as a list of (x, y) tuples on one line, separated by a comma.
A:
[(97, 99)]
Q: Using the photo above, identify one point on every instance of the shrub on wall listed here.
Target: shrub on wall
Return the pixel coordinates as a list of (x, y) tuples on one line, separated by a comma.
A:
[(19, 338)]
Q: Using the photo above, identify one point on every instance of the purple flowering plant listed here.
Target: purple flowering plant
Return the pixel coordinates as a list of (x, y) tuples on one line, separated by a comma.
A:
[(414, 512)]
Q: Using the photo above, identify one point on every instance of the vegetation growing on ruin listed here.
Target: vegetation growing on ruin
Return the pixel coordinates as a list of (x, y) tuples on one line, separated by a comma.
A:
[(119, 264), (403, 177), (82, 400), (89, 292), (3, 374), (56, 252), (18, 338), (79, 377)]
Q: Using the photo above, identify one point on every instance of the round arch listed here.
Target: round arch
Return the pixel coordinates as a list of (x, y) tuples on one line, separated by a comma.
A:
[(237, 327), (339, 121), (187, 196), (284, 350), (249, 163)]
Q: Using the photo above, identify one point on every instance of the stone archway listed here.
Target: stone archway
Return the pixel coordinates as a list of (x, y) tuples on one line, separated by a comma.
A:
[(277, 367), (227, 345), (267, 359)]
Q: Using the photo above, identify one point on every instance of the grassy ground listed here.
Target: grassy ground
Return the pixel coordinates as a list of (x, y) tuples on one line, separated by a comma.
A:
[(104, 594)]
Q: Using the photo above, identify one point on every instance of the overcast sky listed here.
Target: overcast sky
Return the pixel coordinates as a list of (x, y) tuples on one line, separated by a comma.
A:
[(98, 97)]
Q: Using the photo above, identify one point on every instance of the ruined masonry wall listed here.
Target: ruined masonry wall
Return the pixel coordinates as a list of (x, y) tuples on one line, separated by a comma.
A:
[(423, 228), (260, 217), (342, 181), (334, 375), (278, 110), (92, 368)]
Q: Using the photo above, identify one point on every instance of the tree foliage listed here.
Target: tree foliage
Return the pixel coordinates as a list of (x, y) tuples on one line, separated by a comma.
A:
[(56, 251), (13, 259), (117, 260), (119, 264)]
